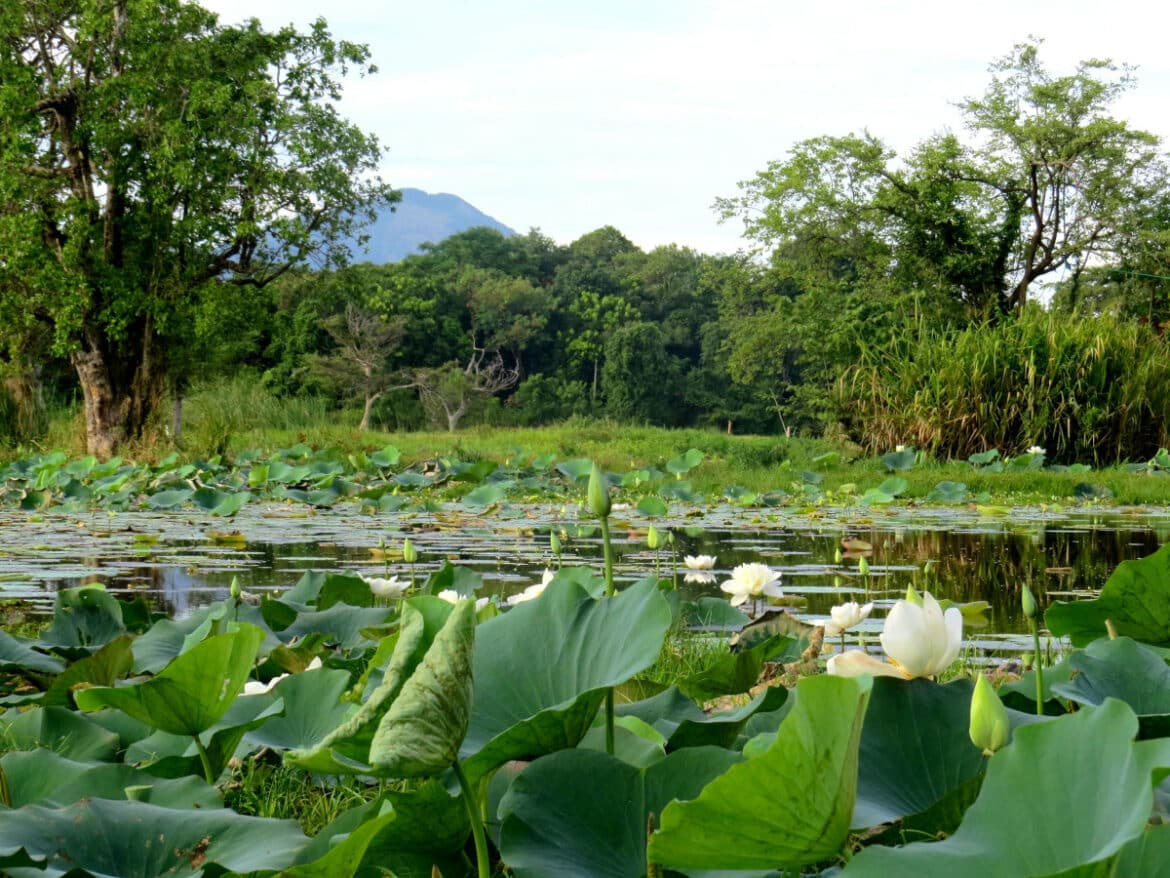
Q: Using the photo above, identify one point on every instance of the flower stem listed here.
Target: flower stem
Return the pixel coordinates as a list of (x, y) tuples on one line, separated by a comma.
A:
[(609, 588), (1037, 666), (482, 861), (206, 760), (609, 731)]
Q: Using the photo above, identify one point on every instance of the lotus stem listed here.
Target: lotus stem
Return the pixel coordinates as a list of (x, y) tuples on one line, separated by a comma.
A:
[(5, 795), (1038, 667), (482, 860), (608, 547), (609, 731), (205, 759)]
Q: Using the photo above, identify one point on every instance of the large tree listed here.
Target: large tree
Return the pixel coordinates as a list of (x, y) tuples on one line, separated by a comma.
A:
[(147, 151), (1050, 182)]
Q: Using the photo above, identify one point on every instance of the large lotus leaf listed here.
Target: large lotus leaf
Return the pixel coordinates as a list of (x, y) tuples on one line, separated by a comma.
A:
[(429, 828), (312, 709), (58, 729), (544, 665), (421, 732), (462, 580), (84, 618), (1064, 793), (167, 755), (41, 777), (346, 749), (684, 724), (915, 748), (1126, 670), (17, 654), (344, 588), (166, 639), (1148, 855), (738, 672), (1136, 598), (583, 814), (789, 806), (341, 623), (190, 693), (116, 839), (340, 858), (103, 668)]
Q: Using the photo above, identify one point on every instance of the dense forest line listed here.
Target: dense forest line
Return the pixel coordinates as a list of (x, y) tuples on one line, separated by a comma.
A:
[(150, 249)]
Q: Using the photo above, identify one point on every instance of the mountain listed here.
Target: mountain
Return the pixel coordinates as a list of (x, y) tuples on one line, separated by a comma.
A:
[(418, 218)]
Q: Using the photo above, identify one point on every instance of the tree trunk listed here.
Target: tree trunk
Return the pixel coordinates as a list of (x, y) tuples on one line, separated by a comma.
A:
[(105, 418), (369, 407), (121, 389)]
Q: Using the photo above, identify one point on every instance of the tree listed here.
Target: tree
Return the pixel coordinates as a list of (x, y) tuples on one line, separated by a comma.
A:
[(362, 363), (448, 392), (146, 151), (1051, 182)]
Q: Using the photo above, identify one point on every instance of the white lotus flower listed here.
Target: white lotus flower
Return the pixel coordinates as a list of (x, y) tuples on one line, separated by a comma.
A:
[(899, 448), (387, 588), (533, 591), (923, 640), (1036, 449), (752, 581), (453, 597), (255, 687), (845, 616), (699, 562)]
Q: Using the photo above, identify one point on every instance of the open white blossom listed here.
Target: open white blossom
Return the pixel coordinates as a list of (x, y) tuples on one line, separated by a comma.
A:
[(846, 616), (752, 581), (255, 687), (453, 597), (387, 588)]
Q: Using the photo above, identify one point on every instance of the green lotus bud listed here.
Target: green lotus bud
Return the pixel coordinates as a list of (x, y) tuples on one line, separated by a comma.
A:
[(837, 556), (913, 597), (554, 543), (989, 718), (235, 588), (653, 537), (409, 552), (1028, 602), (863, 566), (598, 493)]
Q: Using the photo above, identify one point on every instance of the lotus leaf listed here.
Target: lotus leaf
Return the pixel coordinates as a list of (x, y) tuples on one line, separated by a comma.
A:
[(789, 806), (1064, 794)]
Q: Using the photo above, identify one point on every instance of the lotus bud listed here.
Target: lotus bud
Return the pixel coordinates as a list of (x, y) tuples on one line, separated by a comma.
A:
[(863, 566), (235, 589), (554, 543), (989, 718), (409, 552), (598, 493), (1028, 602), (653, 537), (913, 597), (837, 556)]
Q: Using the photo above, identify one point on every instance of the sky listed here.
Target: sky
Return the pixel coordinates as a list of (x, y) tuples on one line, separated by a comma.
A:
[(568, 116)]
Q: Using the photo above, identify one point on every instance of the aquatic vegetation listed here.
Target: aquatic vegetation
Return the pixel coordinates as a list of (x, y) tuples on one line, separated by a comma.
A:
[(474, 726)]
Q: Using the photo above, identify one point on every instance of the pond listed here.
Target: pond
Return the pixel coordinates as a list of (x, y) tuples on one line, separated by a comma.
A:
[(180, 561)]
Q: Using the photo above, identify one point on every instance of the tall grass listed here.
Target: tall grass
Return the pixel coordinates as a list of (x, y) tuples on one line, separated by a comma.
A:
[(1086, 389), (216, 413)]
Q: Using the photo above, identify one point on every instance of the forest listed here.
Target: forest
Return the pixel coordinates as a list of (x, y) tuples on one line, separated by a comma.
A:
[(1000, 287)]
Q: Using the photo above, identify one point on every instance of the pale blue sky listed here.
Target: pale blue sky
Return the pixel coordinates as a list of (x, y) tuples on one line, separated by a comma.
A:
[(638, 114)]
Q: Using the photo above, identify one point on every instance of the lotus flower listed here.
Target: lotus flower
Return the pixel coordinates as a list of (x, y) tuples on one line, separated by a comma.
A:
[(255, 687), (1036, 449), (533, 591), (752, 581), (387, 588), (846, 616), (921, 641), (453, 597)]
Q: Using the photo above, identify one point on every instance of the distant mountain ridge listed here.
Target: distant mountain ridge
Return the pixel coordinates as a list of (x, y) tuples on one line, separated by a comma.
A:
[(420, 217)]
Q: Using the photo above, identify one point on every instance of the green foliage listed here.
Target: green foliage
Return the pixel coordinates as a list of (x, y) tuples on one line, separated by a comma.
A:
[(1135, 599), (1085, 389)]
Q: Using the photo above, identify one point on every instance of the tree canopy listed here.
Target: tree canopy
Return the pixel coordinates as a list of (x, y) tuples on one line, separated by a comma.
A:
[(148, 151)]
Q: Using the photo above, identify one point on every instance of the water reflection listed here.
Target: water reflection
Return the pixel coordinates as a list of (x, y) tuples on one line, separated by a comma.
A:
[(177, 566)]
